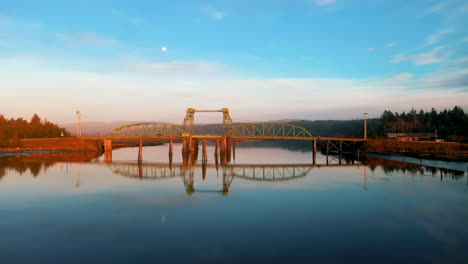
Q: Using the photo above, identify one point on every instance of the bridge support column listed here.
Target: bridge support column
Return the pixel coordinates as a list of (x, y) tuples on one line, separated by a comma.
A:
[(216, 154), (204, 152), (107, 150), (204, 159), (107, 145), (140, 171), (170, 154), (234, 151), (222, 152), (314, 151), (228, 150), (328, 148), (140, 151)]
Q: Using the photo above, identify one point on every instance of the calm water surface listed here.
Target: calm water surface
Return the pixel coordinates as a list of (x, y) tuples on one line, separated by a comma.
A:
[(269, 206)]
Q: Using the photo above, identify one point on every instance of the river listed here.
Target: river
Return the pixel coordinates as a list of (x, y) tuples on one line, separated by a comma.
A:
[(270, 205)]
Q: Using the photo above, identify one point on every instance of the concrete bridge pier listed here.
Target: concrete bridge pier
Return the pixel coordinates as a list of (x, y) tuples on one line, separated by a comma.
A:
[(107, 150), (234, 151), (216, 154), (204, 152), (170, 154), (314, 151), (140, 151), (228, 149), (194, 145)]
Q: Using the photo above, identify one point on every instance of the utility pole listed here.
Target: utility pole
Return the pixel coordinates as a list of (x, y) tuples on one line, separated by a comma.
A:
[(78, 124), (365, 125)]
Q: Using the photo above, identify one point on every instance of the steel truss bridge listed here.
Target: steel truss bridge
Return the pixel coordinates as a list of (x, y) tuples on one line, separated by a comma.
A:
[(248, 131)]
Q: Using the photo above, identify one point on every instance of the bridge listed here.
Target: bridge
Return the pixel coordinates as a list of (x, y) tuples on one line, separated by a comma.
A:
[(226, 141)]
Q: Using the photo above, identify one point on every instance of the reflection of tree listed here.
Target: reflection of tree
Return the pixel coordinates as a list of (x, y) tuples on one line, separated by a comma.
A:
[(41, 162), (393, 166), (21, 166)]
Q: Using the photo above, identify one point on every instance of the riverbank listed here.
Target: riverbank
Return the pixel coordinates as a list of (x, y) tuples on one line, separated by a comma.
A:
[(445, 151), (54, 144)]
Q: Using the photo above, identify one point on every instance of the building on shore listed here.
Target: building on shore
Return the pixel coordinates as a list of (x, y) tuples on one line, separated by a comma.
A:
[(412, 136)]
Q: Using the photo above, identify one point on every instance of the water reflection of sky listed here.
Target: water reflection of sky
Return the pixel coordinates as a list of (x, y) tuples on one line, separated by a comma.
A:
[(334, 214)]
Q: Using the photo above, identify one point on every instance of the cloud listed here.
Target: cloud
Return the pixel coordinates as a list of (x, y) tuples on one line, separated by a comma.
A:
[(402, 81), (213, 13), (436, 55), (399, 58), (371, 49), (323, 2), (173, 67), (391, 45), (178, 84), (402, 77), (461, 62), (432, 39), (455, 80), (465, 39), (434, 9), (88, 38)]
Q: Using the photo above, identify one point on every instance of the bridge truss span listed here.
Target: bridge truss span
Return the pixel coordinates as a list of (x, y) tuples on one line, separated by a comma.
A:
[(269, 130), (148, 130)]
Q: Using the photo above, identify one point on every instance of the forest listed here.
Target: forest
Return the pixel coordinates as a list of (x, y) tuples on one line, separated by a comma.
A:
[(11, 130), (449, 124)]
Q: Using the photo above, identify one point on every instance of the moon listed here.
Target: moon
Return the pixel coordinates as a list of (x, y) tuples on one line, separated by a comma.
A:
[(163, 49)]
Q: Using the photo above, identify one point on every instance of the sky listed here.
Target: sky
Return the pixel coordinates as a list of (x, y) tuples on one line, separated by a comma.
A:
[(264, 59)]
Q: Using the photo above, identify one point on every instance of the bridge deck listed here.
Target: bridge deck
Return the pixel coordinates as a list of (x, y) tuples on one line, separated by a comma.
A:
[(214, 137)]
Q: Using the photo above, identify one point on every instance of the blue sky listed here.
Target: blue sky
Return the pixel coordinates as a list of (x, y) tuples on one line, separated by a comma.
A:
[(265, 60)]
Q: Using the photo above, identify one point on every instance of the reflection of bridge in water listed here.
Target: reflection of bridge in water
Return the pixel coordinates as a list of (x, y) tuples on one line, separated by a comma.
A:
[(252, 172)]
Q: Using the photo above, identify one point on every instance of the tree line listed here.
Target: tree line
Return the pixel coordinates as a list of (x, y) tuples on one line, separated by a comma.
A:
[(11, 130), (449, 124)]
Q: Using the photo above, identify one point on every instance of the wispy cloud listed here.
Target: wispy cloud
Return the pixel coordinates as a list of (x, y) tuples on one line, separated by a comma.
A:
[(434, 9), (173, 67), (434, 56), (212, 12), (323, 2), (391, 45), (465, 39), (461, 62), (400, 81), (88, 38), (285, 95), (432, 39), (371, 49), (457, 80)]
